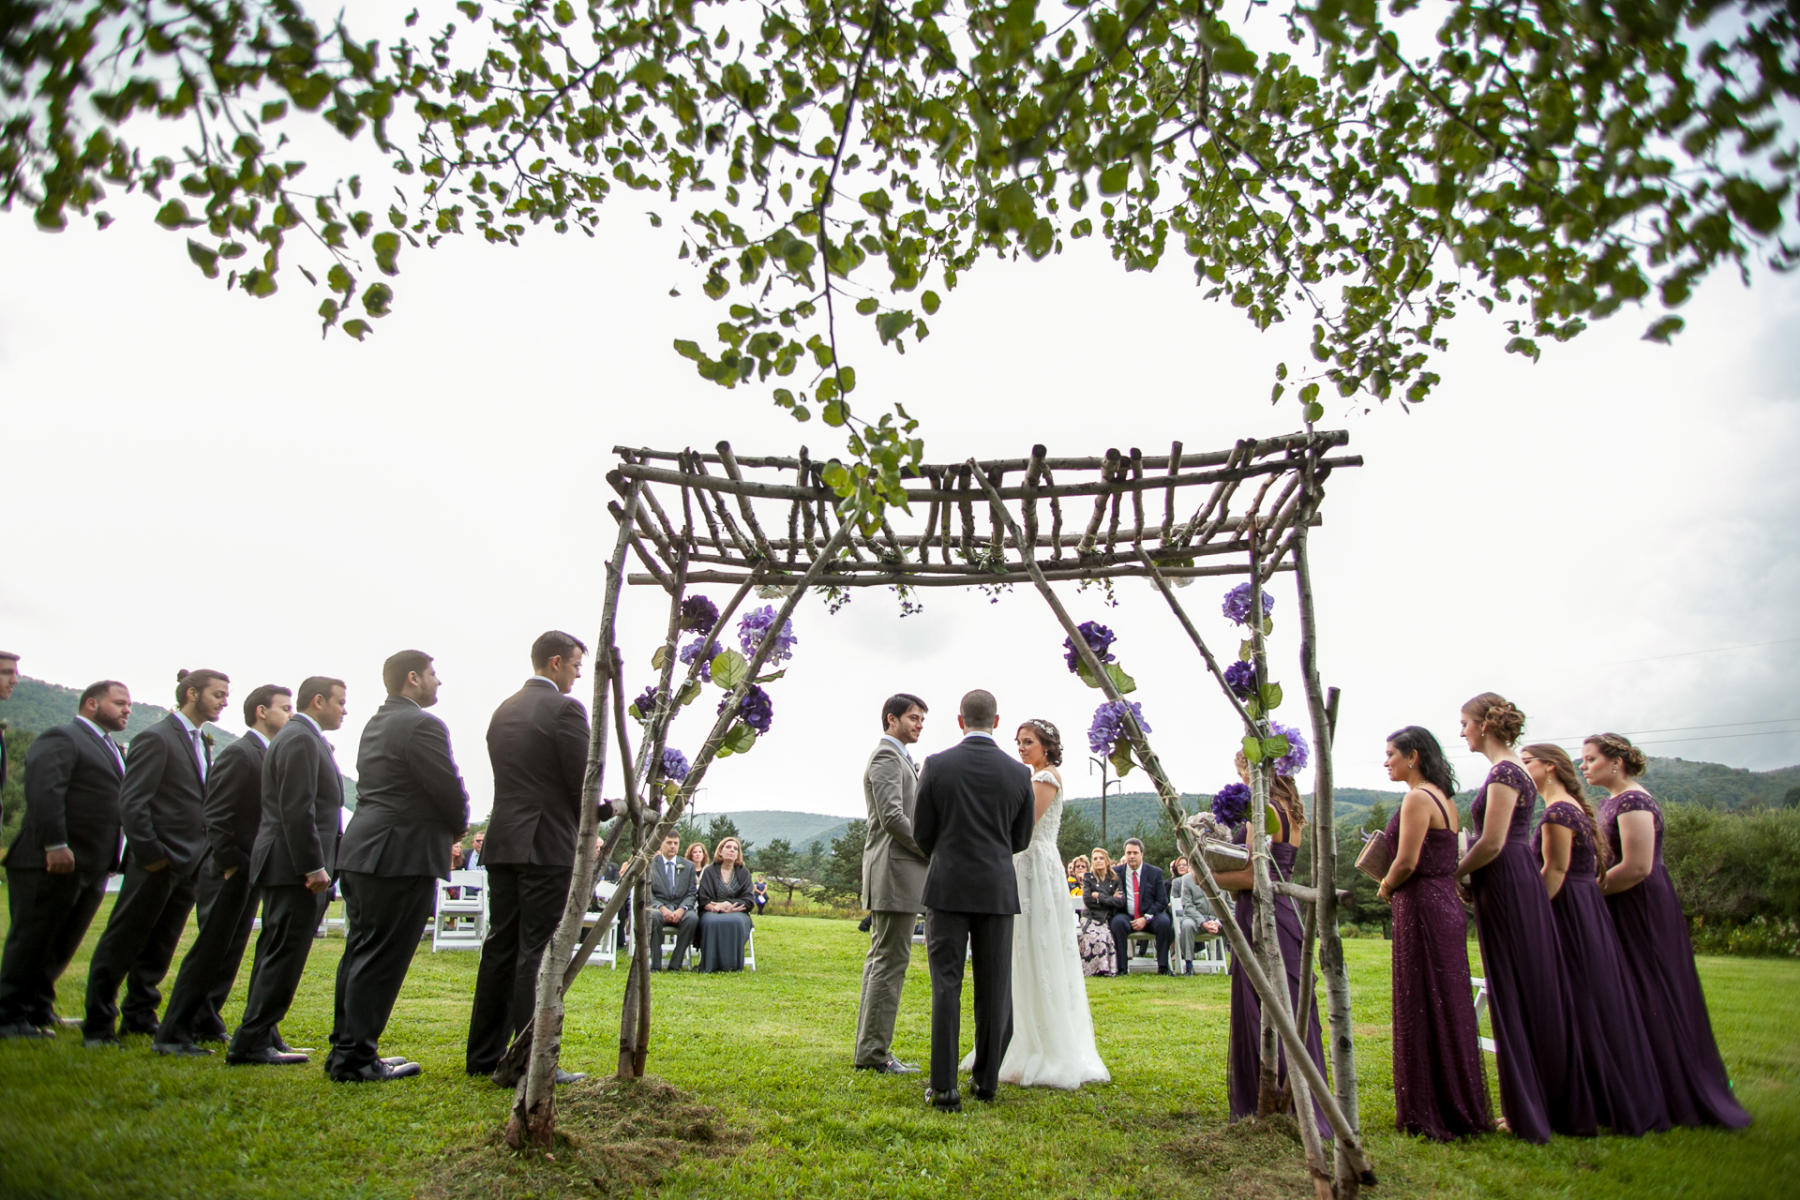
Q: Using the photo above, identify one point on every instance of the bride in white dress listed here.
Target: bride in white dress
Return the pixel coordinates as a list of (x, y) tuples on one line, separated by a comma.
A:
[(1052, 1031)]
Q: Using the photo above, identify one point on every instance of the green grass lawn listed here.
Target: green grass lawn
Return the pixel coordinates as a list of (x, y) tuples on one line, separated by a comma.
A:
[(769, 1052)]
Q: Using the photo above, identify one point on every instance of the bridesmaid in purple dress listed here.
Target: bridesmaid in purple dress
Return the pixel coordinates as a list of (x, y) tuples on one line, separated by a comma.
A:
[(1542, 1086), (1440, 1086), (1244, 1061), (1604, 1013), (1653, 939)]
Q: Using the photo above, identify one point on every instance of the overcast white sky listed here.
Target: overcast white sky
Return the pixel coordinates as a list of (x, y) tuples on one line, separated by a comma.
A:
[(192, 478)]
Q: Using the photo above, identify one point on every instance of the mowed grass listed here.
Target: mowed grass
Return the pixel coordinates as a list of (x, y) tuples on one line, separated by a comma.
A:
[(770, 1052)]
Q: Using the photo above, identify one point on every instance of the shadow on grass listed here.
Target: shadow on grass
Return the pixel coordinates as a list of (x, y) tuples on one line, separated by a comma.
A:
[(613, 1137)]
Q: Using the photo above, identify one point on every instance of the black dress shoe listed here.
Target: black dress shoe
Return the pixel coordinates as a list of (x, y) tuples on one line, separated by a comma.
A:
[(563, 1076), (377, 1072), (148, 1031), (986, 1097), (21, 1030), (180, 1049), (950, 1101), (268, 1056), (395, 1060), (1164, 971), (892, 1066), (102, 1041), (216, 1038), (280, 1043)]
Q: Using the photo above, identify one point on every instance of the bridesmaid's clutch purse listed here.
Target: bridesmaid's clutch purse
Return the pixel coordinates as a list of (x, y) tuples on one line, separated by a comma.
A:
[(1376, 857)]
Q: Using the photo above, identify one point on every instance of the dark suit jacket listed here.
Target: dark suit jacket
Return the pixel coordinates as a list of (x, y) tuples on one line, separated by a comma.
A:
[(1155, 897), (973, 813), (410, 802), (72, 786), (684, 895), (301, 794), (163, 798), (233, 805), (538, 744), (1100, 896)]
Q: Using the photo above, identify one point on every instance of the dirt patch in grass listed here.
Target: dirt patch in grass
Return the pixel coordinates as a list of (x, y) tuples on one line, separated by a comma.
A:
[(612, 1137), (1251, 1160)]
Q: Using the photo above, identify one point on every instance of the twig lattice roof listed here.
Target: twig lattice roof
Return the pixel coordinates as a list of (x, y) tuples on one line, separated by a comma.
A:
[(723, 518)]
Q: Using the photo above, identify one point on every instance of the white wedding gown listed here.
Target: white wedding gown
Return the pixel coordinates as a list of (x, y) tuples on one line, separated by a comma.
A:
[(1053, 1032)]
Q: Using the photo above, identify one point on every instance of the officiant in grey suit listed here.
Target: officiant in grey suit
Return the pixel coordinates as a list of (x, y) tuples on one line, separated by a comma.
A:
[(893, 881), (974, 812)]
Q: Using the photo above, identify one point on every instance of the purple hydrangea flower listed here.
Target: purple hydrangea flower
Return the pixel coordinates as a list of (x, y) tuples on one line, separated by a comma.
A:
[(1109, 724), (752, 627), (1231, 803), (1237, 604), (705, 650), (755, 709), (1240, 677), (1098, 638), (699, 614), (645, 702), (1294, 761), (674, 765)]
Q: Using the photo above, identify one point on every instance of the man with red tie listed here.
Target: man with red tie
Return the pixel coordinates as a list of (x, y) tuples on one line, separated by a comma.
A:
[(1146, 895)]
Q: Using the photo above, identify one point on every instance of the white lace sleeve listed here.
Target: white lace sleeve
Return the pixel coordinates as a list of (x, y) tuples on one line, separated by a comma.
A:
[(1045, 776)]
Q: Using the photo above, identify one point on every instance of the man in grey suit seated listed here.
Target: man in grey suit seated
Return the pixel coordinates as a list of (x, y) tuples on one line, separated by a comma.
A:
[(1197, 918), (674, 900)]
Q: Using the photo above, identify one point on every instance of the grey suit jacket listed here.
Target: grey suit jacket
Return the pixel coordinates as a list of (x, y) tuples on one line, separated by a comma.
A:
[(685, 895), (893, 869), (1195, 905)]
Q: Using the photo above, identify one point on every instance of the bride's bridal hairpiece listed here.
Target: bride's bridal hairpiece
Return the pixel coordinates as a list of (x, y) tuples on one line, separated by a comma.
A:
[(1044, 727)]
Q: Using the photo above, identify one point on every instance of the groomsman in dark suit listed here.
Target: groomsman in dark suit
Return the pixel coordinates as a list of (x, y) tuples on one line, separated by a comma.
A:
[(538, 744), (291, 862), (227, 900), (68, 844), (9, 679), (1146, 895), (973, 813), (165, 833), (410, 806)]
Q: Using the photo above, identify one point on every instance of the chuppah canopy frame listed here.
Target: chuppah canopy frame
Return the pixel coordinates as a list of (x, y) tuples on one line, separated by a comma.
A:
[(775, 525)]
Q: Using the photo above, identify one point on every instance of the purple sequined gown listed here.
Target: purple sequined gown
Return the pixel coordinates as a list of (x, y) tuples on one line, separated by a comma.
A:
[(1543, 1089), (1440, 1087), (1659, 958), (1603, 1011), (1244, 1064)]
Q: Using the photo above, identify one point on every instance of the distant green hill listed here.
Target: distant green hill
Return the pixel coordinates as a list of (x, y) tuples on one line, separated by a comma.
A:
[(762, 826)]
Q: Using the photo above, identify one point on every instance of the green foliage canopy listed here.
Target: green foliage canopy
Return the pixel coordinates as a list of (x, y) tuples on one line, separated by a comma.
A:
[(1366, 167)]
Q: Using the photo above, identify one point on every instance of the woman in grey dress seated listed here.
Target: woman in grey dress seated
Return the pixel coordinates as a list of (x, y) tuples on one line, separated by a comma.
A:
[(726, 898), (1197, 920)]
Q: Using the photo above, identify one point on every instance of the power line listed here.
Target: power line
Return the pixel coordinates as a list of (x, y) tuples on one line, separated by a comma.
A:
[(1712, 650), (1685, 728)]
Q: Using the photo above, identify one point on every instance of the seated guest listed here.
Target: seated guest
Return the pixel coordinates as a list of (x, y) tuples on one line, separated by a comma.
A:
[(1145, 908), (1078, 873), (1197, 919), (674, 892), (1100, 895), (726, 898), (759, 891), (697, 855)]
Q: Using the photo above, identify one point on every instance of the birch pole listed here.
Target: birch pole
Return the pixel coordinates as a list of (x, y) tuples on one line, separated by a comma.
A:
[(1270, 992), (533, 1118)]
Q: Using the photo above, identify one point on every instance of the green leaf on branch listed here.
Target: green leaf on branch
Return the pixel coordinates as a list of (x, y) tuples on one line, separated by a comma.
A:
[(1254, 708), (1086, 676), (1253, 749), (660, 657), (1271, 696), (729, 669), (738, 739), (1246, 650), (1121, 758), (1275, 747), (1271, 821), (1120, 680), (690, 693)]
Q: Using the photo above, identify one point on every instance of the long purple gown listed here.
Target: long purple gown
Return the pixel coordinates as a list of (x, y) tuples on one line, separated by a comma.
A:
[(1244, 1065), (1440, 1086), (1659, 958), (1603, 1011), (1543, 1089)]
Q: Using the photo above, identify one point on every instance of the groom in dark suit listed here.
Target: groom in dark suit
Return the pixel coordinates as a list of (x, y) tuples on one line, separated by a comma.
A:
[(68, 844), (973, 813), (165, 835)]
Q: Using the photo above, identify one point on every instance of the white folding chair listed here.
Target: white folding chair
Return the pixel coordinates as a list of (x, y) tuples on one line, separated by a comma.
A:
[(750, 949), (1481, 1010), (606, 950), (461, 920)]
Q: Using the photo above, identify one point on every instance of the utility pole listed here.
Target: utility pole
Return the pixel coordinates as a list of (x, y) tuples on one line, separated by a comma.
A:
[(1105, 783)]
